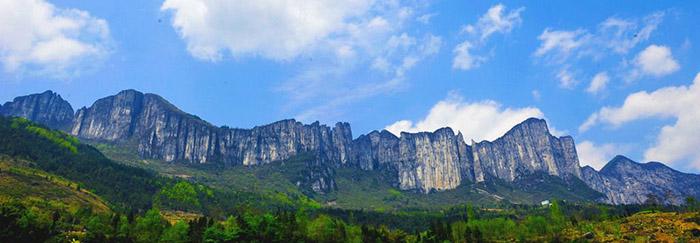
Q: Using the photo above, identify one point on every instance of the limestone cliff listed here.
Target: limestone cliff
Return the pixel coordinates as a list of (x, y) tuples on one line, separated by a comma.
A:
[(624, 181), (425, 161), (47, 108), (442, 160), (161, 131), (526, 148)]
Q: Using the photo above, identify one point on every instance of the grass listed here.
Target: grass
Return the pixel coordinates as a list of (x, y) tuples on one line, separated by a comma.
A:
[(642, 227), (37, 188)]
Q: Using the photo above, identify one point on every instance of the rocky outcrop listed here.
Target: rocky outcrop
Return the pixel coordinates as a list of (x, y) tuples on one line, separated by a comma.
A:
[(624, 181), (525, 149), (161, 131), (47, 108), (441, 160), (425, 161)]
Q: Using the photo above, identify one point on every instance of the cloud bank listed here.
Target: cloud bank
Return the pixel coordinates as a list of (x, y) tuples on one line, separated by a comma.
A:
[(40, 39), (482, 120), (675, 143)]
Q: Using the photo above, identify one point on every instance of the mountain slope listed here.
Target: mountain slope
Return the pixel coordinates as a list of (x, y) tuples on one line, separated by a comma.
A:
[(58, 153), (627, 182), (37, 188)]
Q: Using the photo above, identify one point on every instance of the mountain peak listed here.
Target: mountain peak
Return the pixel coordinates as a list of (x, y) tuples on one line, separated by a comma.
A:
[(531, 125), (47, 108), (618, 160), (129, 91)]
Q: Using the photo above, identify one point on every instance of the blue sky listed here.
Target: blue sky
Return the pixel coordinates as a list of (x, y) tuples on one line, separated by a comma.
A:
[(479, 67)]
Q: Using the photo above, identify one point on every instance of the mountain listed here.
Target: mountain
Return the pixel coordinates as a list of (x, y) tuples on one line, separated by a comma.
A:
[(55, 152), (424, 162), (624, 181), (47, 108)]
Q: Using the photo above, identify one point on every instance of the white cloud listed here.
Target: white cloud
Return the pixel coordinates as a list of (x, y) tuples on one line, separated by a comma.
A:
[(675, 143), (654, 61), (561, 43), (463, 59), (329, 42), (278, 30), (612, 39), (321, 90), (483, 120), (598, 83), (566, 79), (597, 155), (623, 34), (495, 20), (41, 39)]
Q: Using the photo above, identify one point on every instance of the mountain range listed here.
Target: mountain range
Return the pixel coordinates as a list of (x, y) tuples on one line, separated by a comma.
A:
[(422, 162)]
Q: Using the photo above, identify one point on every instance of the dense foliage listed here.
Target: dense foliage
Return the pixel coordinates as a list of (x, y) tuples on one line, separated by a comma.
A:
[(61, 154), (19, 223)]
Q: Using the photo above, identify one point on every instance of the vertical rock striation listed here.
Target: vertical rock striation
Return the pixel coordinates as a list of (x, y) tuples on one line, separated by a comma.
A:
[(442, 160), (424, 161), (624, 181), (47, 108), (161, 131), (526, 148)]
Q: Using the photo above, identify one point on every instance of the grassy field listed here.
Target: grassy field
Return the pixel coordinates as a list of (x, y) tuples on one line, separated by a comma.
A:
[(642, 227), (37, 188)]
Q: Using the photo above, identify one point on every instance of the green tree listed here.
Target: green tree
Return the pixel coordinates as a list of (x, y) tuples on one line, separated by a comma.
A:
[(227, 231), (149, 227), (177, 233), (97, 229), (325, 229), (692, 204), (557, 217), (534, 226), (122, 228)]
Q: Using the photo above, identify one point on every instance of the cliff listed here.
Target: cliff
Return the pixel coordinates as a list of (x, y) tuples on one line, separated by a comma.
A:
[(425, 161), (47, 108), (624, 181)]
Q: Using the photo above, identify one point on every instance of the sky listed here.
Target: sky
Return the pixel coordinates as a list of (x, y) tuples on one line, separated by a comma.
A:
[(620, 77)]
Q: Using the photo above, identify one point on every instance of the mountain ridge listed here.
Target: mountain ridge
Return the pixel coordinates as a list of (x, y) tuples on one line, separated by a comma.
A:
[(423, 161)]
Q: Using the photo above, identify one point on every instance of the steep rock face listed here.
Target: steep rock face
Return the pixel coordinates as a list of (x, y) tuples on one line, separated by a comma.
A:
[(161, 131), (526, 148), (376, 150), (164, 132), (47, 108), (429, 160), (624, 181), (423, 161), (442, 160)]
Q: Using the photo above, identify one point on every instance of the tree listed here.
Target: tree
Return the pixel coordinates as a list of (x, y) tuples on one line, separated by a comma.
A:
[(97, 229), (692, 204), (227, 231), (177, 233), (556, 215), (324, 229), (149, 227)]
